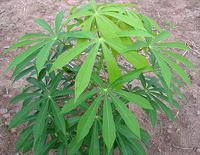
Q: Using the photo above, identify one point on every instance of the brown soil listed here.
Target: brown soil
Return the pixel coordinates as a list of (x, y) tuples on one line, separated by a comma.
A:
[(181, 17)]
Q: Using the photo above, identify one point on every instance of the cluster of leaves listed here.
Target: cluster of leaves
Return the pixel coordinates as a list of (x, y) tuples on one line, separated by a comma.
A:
[(82, 107)]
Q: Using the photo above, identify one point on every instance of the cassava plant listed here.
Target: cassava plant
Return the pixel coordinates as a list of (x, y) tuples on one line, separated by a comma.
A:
[(80, 86)]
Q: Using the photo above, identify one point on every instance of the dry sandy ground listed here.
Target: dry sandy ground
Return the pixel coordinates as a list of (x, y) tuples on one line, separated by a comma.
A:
[(181, 17)]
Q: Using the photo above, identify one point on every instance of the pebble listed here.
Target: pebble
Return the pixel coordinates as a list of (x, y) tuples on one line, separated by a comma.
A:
[(198, 112), (170, 126), (198, 150), (3, 111), (13, 130), (6, 116), (169, 131)]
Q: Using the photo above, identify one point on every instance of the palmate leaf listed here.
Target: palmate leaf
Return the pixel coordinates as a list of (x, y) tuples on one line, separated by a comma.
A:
[(87, 120), (165, 70), (70, 105), (108, 125), (58, 21), (179, 58), (112, 67), (22, 43), (123, 147), (84, 74), (24, 138), (133, 142), (177, 45), (34, 36), (24, 96), (164, 108), (40, 126), (134, 98), (67, 56), (130, 19), (17, 60), (23, 73), (137, 33), (44, 25), (179, 70), (94, 144), (128, 117), (136, 59), (58, 118), (43, 55), (74, 146), (162, 36), (130, 76), (22, 114)]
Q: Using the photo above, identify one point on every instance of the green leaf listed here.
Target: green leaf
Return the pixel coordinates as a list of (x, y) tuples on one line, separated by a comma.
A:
[(136, 59), (180, 58), (178, 45), (24, 138), (21, 44), (87, 24), (162, 36), (178, 70), (145, 137), (136, 46), (136, 33), (165, 70), (153, 117), (74, 146), (108, 125), (112, 67), (130, 76), (22, 56), (106, 27), (131, 140), (84, 74), (61, 150), (58, 118), (78, 34), (44, 25), (80, 13), (24, 96), (137, 99), (165, 109), (128, 117), (41, 121), (37, 83), (43, 55), (22, 115), (58, 21), (23, 73), (56, 80), (94, 144), (130, 19), (70, 105), (70, 54), (93, 4), (87, 120), (123, 147), (34, 35)]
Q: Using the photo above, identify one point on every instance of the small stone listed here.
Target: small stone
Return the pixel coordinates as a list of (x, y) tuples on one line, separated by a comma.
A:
[(3, 111), (198, 112), (169, 131), (198, 150), (6, 123), (6, 47), (170, 126), (13, 130), (6, 116)]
